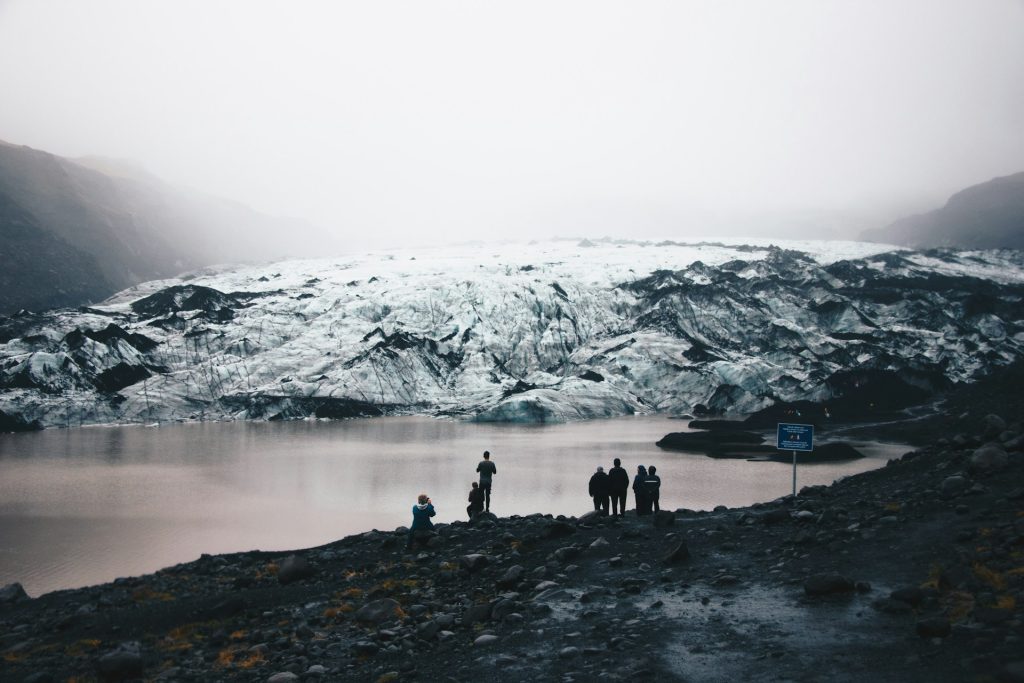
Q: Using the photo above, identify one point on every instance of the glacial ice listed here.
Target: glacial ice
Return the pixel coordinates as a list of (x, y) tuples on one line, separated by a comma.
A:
[(515, 332)]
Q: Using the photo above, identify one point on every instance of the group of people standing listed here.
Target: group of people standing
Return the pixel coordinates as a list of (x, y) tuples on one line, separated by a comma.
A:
[(611, 486), (605, 488)]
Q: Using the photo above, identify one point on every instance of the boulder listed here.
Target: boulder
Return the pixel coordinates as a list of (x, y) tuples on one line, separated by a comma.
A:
[(474, 613), (679, 552), (378, 611), (294, 568), (473, 562), (512, 576), (828, 584), (485, 640), (122, 663), (12, 592), (559, 529), (951, 486), (934, 627), (664, 518), (283, 677), (993, 424), (591, 517), (428, 630), (988, 458)]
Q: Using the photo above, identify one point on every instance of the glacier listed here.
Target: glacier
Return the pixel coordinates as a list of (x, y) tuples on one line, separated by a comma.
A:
[(552, 331)]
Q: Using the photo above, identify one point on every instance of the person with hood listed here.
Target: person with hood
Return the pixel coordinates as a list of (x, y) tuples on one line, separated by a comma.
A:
[(487, 469), (476, 501), (618, 484), (422, 528), (653, 486), (599, 489), (643, 504)]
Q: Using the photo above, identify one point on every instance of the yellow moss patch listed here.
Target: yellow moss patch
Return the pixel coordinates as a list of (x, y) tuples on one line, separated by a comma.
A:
[(351, 593), (388, 677), (959, 605), (1019, 571), (82, 647), (992, 578), (985, 531), (1006, 602), (892, 507), (15, 656), (225, 658), (238, 635), (254, 659)]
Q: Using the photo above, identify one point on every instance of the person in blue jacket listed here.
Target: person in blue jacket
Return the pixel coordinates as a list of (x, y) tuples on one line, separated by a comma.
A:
[(421, 525)]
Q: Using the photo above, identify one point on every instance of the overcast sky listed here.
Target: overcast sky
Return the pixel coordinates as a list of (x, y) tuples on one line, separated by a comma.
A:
[(397, 122)]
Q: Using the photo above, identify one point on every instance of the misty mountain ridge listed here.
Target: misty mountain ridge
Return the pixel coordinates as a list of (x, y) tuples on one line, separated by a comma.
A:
[(989, 215), (77, 231), (544, 332)]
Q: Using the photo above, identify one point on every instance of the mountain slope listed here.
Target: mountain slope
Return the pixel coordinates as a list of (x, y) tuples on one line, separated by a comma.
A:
[(537, 333), (73, 233), (985, 216)]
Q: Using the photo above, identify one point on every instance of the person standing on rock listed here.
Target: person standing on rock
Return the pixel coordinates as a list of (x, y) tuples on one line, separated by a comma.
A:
[(653, 488), (599, 490), (618, 484), (487, 470), (421, 525), (643, 505), (476, 501)]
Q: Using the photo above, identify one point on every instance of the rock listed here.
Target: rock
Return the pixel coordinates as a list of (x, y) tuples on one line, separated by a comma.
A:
[(365, 648), (558, 529), (566, 553), (804, 516), (664, 518), (428, 630), (953, 485), (378, 611), (599, 542), (992, 615), (934, 627), (679, 552), (591, 517), (485, 640), (1013, 672), (40, 677), (512, 576), (912, 595), (503, 608), (474, 562), (122, 663), (316, 670), (775, 516), (12, 592), (568, 652), (988, 459), (474, 613), (484, 517), (828, 584), (294, 568), (993, 424), (283, 677)]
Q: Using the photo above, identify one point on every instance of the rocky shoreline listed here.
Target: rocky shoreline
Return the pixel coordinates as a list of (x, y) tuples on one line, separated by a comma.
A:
[(906, 573)]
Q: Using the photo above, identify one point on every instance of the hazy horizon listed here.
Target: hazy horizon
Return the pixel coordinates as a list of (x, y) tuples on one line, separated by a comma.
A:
[(401, 123)]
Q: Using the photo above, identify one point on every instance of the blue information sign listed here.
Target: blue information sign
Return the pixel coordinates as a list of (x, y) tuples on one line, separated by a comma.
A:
[(793, 437)]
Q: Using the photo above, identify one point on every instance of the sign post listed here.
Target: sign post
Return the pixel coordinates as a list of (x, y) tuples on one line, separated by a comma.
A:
[(794, 437)]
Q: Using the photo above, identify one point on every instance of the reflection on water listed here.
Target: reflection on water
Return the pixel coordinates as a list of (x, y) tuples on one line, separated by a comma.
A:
[(82, 506)]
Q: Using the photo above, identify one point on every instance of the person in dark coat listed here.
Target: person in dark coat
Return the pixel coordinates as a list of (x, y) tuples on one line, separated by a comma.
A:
[(476, 501), (643, 504), (599, 490), (653, 486), (487, 469), (422, 528), (618, 484)]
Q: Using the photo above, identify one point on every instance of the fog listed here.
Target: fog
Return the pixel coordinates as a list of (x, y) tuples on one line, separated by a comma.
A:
[(396, 123)]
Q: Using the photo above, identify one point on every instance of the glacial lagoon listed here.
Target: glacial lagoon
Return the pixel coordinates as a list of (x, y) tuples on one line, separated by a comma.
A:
[(86, 505)]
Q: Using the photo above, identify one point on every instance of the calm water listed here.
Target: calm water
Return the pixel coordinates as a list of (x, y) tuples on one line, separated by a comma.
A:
[(83, 506)]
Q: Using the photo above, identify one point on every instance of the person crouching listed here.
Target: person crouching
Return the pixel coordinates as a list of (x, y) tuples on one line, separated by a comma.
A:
[(422, 528), (476, 501)]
